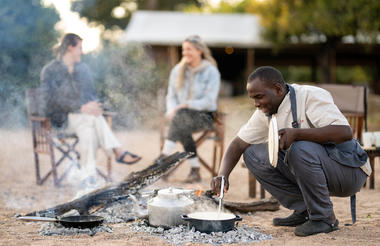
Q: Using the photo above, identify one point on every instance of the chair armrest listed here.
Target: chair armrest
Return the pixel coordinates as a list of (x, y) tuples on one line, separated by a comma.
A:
[(109, 114), (40, 122), (39, 118)]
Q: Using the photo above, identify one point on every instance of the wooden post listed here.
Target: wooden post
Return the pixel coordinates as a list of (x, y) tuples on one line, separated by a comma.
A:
[(372, 176), (250, 61), (328, 61), (173, 55), (252, 185), (314, 66)]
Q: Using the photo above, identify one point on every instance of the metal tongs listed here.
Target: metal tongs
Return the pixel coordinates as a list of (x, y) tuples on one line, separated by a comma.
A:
[(221, 194)]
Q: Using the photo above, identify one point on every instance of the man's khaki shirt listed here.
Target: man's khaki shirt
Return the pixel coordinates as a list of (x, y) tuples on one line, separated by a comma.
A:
[(315, 109)]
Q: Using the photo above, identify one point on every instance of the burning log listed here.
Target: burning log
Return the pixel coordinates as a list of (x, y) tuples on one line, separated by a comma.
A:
[(99, 198), (270, 204)]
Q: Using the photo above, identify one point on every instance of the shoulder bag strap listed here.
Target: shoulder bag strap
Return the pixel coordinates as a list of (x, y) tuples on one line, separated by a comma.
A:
[(293, 106)]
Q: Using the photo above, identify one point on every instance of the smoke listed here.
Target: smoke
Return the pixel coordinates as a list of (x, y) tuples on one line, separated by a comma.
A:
[(204, 206), (126, 77), (127, 80)]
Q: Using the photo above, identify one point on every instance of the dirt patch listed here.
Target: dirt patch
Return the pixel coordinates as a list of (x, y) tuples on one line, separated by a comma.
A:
[(20, 194)]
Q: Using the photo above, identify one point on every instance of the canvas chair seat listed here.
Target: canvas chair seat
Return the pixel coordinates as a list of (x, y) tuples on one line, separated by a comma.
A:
[(54, 142)]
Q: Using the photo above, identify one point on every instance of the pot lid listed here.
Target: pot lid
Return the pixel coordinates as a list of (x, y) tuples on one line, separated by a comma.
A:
[(170, 193)]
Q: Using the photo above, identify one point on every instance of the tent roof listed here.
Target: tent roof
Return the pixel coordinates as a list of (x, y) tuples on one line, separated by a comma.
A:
[(171, 28)]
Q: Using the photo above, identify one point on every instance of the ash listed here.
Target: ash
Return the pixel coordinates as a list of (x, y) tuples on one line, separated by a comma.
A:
[(122, 211), (182, 234), (53, 229), (128, 209)]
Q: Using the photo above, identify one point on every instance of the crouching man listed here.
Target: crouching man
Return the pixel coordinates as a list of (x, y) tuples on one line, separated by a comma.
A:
[(317, 156)]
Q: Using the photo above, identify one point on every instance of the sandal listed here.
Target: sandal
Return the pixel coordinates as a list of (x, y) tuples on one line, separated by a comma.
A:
[(121, 158)]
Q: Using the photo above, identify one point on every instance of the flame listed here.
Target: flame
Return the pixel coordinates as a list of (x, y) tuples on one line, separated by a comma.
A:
[(199, 191)]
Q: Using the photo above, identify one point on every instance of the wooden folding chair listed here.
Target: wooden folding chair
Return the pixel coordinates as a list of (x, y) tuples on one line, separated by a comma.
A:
[(48, 141), (215, 133)]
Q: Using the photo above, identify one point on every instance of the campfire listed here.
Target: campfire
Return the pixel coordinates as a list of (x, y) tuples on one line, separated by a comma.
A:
[(125, 211), (199, 191), (131, 201)]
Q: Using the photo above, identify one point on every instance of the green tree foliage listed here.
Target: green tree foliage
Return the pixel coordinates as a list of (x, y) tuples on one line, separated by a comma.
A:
[(287, 21), (224, 6), (323, 22), (318, 20), (103, 12), (26, 36)]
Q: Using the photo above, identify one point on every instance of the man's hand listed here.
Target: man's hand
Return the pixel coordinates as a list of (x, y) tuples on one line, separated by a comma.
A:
[(232, 155), (92, 108), (287, 137), (216, 183)]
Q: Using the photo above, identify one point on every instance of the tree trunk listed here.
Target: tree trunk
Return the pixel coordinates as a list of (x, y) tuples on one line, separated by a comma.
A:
[(97, 199)]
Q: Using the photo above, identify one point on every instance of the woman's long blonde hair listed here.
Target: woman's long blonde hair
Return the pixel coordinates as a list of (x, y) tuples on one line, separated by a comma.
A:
[(206, 55)]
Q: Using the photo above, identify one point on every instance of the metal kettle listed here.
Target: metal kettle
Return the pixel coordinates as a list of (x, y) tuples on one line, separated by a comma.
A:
[(166, 208)]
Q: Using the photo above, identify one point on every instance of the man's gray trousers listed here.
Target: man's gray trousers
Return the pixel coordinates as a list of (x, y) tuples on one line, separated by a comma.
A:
[(304, 178)]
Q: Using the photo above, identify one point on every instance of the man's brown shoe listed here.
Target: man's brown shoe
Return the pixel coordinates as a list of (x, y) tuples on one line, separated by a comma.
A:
[(294, 219)]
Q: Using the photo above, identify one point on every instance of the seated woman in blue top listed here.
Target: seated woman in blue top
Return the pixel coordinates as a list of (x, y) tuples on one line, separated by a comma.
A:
[(191, 99)]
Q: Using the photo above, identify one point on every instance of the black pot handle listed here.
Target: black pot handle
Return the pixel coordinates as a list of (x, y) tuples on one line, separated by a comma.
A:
[(185, 217), (238, 218)]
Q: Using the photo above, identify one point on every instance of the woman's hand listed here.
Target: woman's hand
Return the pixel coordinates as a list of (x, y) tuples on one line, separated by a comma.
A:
[(92, 108), (175, 110)]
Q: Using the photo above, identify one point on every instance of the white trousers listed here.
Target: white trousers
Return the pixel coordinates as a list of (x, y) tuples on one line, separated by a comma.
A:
[(93, 133)]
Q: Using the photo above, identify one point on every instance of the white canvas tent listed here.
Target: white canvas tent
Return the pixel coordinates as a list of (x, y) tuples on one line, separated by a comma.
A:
[(217, 30)]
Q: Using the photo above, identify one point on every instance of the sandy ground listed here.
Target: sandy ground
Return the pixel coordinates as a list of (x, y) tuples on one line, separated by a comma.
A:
[(20, 194)]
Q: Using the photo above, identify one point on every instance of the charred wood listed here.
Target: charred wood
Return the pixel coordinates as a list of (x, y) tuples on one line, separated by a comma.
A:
[(270, 204), (99, 198)]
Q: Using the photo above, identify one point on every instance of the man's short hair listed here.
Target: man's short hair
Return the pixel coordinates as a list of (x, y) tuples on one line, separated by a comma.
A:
[(267, 74)]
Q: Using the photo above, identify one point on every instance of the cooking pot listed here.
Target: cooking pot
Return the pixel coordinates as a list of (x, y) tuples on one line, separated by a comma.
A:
[(211, 221), (166, 208), (80, 221)]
